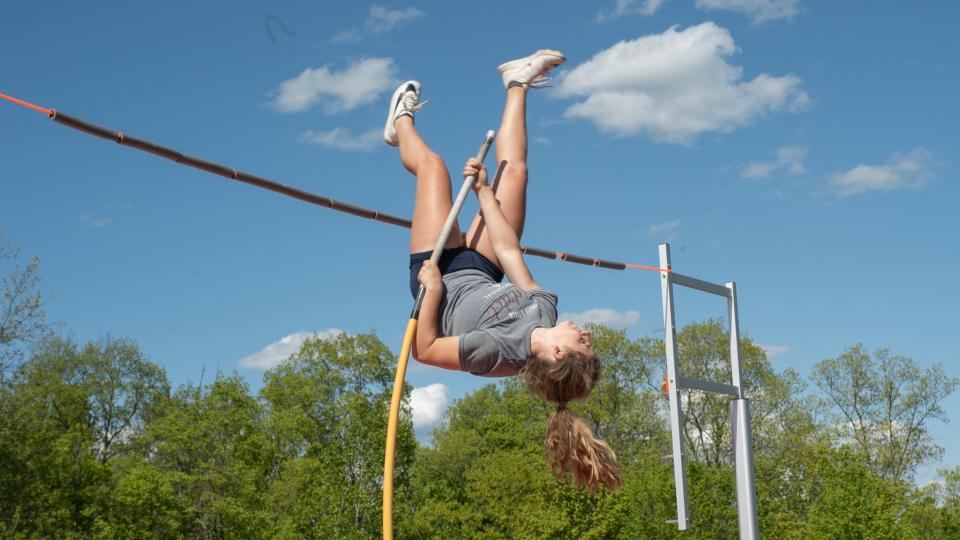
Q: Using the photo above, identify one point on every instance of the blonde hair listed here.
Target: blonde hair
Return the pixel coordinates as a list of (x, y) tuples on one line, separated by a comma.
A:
[(569, 445)]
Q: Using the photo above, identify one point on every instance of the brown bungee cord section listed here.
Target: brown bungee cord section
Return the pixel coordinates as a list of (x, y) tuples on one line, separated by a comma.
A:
[(283, 189)]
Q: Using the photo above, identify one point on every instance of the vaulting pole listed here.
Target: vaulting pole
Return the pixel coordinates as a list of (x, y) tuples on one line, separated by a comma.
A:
[(408, 338)]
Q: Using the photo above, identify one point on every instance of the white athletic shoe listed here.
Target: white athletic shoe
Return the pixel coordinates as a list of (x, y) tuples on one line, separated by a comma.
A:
[(531, 71), (405, 102)]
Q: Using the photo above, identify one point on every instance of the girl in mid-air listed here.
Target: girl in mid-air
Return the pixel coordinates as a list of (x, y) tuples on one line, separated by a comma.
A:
[(469, 320)]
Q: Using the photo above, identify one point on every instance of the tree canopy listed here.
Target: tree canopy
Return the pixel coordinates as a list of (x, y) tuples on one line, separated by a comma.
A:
[(94, 443), (21, 305)]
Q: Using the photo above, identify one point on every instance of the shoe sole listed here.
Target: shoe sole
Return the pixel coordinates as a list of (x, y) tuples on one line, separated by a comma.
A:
[(529, 59), (389, 132)]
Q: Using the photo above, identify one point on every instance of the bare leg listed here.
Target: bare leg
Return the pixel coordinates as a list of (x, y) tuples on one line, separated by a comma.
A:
[(433, 199), (511, 187)]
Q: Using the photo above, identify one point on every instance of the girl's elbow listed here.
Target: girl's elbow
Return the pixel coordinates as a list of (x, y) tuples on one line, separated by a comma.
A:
[(422, 354)]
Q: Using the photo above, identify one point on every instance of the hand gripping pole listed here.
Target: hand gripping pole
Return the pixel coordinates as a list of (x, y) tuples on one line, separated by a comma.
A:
[(408, 338)]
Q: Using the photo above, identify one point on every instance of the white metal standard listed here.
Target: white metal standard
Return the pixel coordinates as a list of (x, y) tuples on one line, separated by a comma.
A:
[(670, 340), (739, 406)]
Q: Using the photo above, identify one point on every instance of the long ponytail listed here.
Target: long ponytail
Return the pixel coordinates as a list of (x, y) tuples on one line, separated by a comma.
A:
[(570, 447)]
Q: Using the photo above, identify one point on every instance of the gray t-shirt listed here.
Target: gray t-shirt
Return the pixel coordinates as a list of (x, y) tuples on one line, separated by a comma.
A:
[(494, 321)]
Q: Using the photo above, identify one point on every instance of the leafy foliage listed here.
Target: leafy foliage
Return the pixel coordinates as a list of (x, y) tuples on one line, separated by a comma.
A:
[(328, 408), (884, 403), (93, 444), (21, 305), (65, 415)]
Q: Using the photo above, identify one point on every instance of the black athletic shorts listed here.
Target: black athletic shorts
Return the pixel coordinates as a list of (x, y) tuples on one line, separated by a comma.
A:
[(452, 260)]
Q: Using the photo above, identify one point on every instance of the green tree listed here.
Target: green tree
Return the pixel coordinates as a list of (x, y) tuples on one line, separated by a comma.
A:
[(783, 430), (949, 499), (123, 388), (623, 408), (703, 351), (147, 502), (486, 476), (63, 415), (21, 305), (93, 446), (328, 408), (884, 403), (850, 500), (210, 458)]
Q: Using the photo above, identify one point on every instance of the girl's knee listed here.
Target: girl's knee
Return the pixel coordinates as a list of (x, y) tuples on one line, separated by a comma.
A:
[(432, 160), (515, 169)]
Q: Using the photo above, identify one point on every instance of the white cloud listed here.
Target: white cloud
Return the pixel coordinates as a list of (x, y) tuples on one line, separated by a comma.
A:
[(338, 91), (789, 159), (380, 20), (911, 170), (95, 221), (758, 10), (774, 351), (383, 19), (347, 36), (674, 86), (543, 140), (605, 316), (668, 228), (757, 169), (280, 350), (341, 139), (428, 404), (629, 7)]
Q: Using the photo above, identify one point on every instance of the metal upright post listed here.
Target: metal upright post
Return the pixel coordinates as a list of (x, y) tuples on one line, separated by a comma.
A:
[(739, 405), (742, 433), (673, 389)]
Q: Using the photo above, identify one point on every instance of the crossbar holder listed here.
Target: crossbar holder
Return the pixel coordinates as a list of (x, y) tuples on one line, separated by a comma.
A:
[(699, 284), (708, 386)]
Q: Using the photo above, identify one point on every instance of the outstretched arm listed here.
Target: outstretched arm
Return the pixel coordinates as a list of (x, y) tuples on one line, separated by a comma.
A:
[(502, 237)]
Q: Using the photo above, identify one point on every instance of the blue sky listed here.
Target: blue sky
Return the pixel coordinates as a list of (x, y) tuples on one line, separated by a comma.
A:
[(805, 150)]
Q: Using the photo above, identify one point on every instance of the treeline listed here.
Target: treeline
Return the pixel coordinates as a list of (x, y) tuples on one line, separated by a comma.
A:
[(94, 443)]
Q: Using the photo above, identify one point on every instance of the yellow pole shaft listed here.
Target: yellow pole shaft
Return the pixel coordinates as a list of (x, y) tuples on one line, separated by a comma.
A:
[(388, 459)]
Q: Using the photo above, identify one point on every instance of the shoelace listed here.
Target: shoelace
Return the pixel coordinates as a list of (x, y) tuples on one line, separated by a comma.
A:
[(410, 104), (541, 82)]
